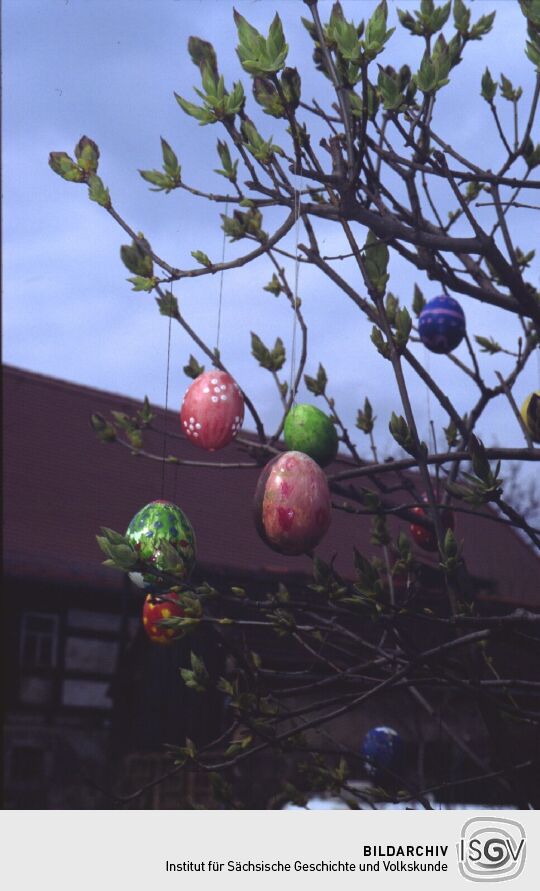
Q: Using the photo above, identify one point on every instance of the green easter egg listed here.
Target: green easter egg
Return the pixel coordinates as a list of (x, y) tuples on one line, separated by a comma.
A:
[(307, 429), (157, 522)]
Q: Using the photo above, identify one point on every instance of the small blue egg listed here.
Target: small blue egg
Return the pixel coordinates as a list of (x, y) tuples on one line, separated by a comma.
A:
[(442, 324), (382, 750)]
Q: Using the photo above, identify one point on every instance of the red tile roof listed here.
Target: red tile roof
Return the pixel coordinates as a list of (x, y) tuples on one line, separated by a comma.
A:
[(61, 484)]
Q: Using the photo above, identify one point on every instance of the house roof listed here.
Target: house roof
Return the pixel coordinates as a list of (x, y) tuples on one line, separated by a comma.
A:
[(61, 485)]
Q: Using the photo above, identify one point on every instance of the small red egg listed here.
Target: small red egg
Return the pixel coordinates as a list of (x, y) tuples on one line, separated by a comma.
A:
[(292, 504), (212, 411), (165, 606), (425, 536)]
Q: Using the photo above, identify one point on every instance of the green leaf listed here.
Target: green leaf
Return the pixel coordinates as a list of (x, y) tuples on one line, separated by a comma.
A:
[(136, 257), (145, 413), (365, 419), (532, 50), (262, 150), (142, 284), (257, 55), (239, 745), (400, 431), (170, 161), (507, 90), (317, 385), (376, 258), (426, 77), (273, 286), (531, 154), (243, 224), (409, 22), (235, 101), (203, 55), (104, 431), (135, 439), (379, 342), (203, 115), (391, 307), (488, 345), (376, 34), (480, 462), (272, 360), (168, 305), (389, 90), (291, 85), (419, 301), (62, 164), (451, 433), (123, 420), (161, 180), (122, 555), (87, 154), (112, 536), (403, 328), (266, 95), (346, 38), (225, 686), (201, 258), (357, 106), (97, 191), (489, 87), (193, 369), (462, 17), (276, 39), (278, 355), (531, 11), (230, 169), (482, 27)]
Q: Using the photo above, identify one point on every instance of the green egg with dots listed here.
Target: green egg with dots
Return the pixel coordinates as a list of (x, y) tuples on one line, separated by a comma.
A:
[(157, 523), (307, 429)]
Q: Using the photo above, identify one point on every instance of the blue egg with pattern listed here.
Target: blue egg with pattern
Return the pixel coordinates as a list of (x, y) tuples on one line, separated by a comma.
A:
[(442, 324), (382, 751)]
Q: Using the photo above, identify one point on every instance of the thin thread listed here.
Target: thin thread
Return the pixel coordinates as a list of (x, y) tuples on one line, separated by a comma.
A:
[(221, 283), (292, 382), (428, 392), (166, 404)]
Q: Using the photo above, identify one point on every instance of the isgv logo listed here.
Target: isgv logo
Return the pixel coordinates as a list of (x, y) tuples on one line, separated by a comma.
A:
[(491, 850)]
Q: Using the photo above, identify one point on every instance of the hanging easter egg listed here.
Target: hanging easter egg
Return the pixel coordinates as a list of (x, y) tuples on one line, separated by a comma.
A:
[(292, 503), (382, 751), (426, 536), (307, 429), (442, 324), (155, 610), (212, 411), (530, 412), (157, 522)]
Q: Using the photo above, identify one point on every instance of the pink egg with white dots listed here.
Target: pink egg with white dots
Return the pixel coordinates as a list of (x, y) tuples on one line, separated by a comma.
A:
[(212, 411)]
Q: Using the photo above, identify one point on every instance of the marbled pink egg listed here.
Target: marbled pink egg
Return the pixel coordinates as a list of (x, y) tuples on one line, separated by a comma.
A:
[(212, 411), (292, 503)]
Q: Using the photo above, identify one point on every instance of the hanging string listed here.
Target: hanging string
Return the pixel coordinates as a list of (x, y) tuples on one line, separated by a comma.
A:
[(166, 403), (221, 282), (427, 364), (292, 382)]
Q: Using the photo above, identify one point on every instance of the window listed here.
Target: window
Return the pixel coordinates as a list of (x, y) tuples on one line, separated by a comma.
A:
[(39, 640)]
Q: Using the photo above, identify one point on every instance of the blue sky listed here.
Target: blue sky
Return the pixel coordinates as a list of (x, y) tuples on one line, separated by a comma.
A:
[(108, 70)]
